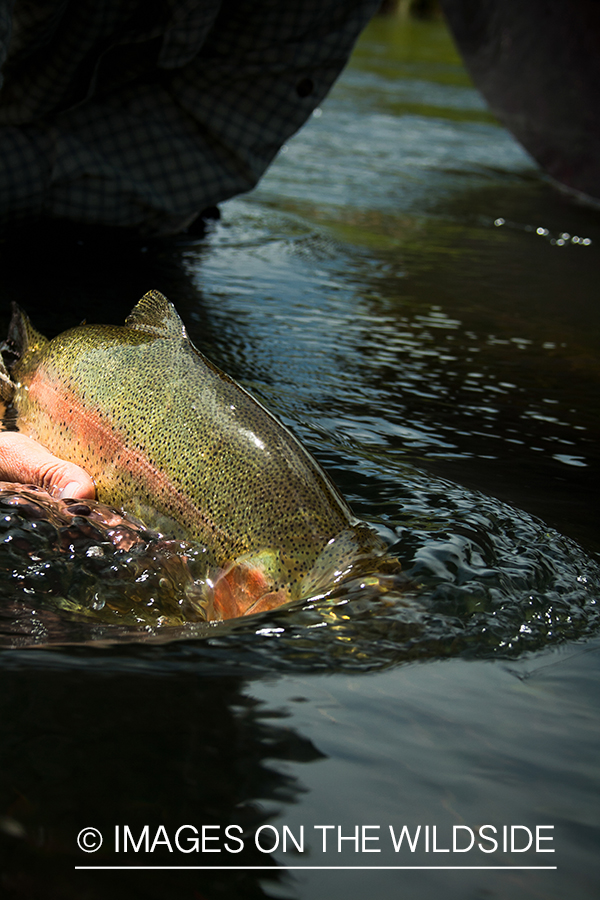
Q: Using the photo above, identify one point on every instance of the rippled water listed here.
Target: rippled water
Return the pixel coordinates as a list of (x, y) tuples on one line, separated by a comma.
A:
[(408, 294)]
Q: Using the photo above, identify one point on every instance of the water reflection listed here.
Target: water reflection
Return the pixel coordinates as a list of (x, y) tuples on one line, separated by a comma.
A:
[(79, 747)]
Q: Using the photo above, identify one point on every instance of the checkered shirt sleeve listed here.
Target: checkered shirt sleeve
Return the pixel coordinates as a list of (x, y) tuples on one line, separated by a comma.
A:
[(141, 113)]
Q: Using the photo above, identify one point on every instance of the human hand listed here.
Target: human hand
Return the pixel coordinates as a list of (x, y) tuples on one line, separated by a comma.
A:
[(24, 460)]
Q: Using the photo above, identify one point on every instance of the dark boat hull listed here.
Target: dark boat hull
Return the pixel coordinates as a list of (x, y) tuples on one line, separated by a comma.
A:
[(537, 63)]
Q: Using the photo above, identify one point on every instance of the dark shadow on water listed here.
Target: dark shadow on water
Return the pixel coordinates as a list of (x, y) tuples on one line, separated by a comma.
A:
[(81, 745), (60, 274)]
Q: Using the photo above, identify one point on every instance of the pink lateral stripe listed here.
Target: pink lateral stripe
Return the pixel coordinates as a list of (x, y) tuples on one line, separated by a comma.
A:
[(92, 428)]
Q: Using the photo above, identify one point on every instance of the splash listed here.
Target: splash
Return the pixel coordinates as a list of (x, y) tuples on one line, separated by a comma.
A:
[(481, 579), (85, 558)]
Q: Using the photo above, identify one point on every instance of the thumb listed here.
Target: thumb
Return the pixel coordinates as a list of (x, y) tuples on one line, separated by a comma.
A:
[(24, 460)]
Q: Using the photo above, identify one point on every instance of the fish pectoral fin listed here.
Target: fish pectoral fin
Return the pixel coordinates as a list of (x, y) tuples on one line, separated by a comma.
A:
[(244, 587), (152, 518)]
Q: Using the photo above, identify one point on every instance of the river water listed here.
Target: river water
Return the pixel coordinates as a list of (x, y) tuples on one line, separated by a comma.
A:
[(409, 295)]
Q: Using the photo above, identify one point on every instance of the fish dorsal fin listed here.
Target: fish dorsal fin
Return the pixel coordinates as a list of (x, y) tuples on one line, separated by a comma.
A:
[(156, 315)]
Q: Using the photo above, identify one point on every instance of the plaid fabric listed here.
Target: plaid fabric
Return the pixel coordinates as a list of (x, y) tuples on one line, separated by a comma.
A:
[(141, 113)]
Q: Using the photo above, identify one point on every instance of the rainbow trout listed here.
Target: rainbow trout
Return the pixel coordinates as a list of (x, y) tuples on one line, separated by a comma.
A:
[(171, 439)]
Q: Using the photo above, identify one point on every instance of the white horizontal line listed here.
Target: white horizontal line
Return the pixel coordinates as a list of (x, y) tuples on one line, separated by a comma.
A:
[(300, 868)]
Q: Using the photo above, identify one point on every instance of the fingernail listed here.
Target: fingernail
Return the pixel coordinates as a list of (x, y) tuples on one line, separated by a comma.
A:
[(68, 493)]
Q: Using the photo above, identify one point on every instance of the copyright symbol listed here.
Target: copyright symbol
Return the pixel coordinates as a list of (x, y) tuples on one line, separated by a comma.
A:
[(89, 840)]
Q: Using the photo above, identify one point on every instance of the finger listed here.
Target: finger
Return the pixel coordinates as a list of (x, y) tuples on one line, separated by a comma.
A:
[(24, 460)]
